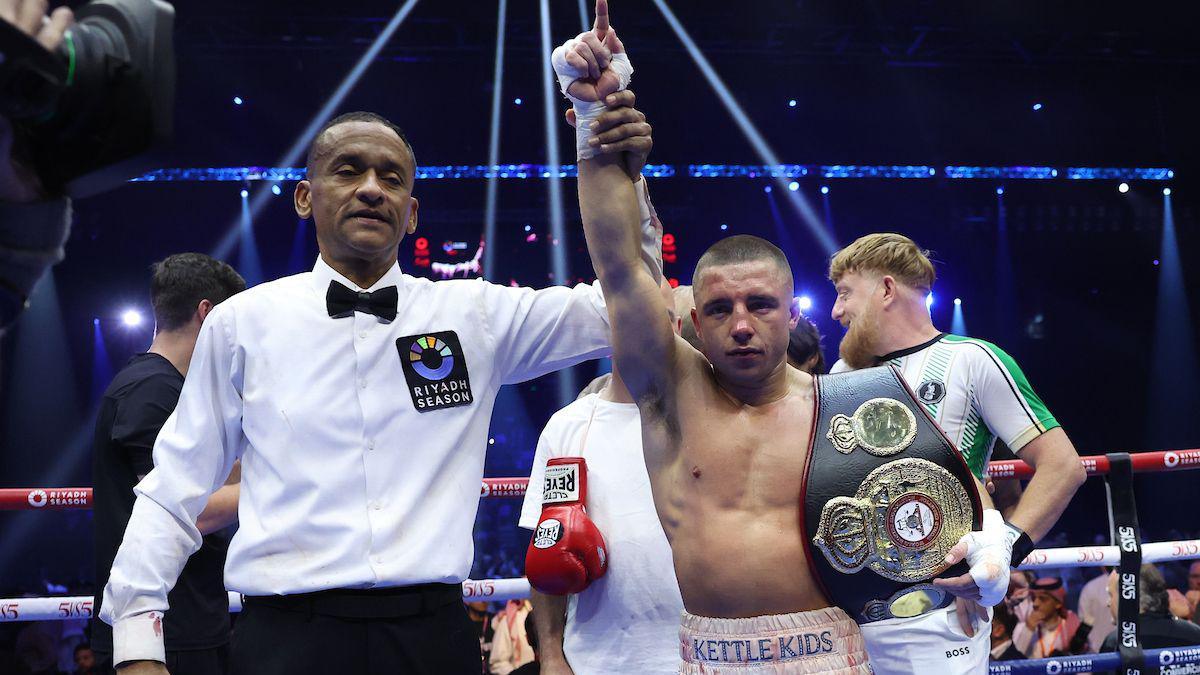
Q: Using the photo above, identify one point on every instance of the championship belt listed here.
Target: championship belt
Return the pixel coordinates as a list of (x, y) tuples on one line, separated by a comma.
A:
[(886, 495)]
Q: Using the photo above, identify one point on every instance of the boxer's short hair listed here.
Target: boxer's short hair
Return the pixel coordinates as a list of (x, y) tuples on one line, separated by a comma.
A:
[(741, 248), (179, 282), (885, 253)]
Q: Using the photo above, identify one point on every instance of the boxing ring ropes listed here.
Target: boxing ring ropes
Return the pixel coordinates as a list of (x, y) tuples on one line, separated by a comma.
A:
[(1126, 554)]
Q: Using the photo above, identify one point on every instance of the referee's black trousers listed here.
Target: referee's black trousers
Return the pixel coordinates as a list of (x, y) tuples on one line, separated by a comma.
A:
[(414, 629)]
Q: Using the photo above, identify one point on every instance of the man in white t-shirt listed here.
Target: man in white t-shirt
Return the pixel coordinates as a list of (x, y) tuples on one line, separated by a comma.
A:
[(977, 394), (628, 620)]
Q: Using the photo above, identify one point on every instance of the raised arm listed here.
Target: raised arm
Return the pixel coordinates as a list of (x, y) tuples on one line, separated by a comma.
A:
[(643, 342)]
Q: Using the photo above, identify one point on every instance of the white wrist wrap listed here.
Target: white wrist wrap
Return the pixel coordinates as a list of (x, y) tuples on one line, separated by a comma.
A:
[(586, 112), (652, 231), (989, 553)]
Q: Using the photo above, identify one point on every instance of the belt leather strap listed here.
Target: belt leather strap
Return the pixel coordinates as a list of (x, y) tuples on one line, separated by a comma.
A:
[(353, 603)]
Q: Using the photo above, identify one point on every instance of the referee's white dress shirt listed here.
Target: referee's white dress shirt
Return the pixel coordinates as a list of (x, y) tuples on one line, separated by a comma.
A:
[(362, 442)]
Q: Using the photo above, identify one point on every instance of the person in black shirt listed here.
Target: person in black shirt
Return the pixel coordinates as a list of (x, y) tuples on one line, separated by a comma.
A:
[(1156, 629), (184, 289)]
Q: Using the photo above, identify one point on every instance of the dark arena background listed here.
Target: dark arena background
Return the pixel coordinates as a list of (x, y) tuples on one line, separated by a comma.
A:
[(1045, 153)]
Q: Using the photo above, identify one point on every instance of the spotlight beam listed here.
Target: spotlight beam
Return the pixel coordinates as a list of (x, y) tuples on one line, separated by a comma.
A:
[(958, 325), (558, 256), (493, 181), (262, 196), (249, 264), (583, 18), (1174, 367), (549, 99), (798, 201)]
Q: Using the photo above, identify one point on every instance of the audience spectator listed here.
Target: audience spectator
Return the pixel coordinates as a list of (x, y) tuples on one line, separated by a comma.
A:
[(482, 619), (1050, 626), (1156, 627), (1018, 600), (1093, 609), (510, 644), (534, 667), (85, 660), (804, 348), (1003, 623), (1178, 605), (1193, 590), (37, 649)]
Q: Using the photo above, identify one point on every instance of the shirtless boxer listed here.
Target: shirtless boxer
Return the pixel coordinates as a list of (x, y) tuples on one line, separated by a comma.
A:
[(725, 432), (725, 443)]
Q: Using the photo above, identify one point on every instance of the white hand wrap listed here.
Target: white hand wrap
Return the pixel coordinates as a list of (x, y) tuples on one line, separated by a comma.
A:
[(989, 553), (586, 112), (652, 232)]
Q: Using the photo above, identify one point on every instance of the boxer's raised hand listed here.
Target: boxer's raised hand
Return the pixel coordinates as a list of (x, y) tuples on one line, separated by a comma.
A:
[(594, 64), (621, 128), (593, 72)]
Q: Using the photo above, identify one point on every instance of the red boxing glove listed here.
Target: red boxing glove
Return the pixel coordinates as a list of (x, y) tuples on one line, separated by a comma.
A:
[(567, 552)]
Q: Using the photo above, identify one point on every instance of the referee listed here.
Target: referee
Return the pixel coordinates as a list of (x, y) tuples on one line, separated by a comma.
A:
[(358, 400)]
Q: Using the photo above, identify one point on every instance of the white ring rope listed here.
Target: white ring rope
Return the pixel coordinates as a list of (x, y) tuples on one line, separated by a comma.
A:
[(80, 607)]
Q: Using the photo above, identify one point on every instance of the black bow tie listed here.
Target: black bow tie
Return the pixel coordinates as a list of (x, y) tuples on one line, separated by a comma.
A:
[(343, 302)]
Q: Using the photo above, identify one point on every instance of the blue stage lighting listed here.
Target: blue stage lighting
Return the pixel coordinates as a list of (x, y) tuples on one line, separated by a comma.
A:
[(1000, 190), (131, 318), (276, 189), (792, 103), (1037, 106), (300, 145), (793, 186), (242, 174), (96, 321), (805, 303), (958, 323), (724, 227), (1123, 188), (237, 100), (929, 301), (1166, 192), (746, 171), (824, 189), (245, 193), (517, 101), (1116, 173), (1156, 262), (1018, 172), (886, 171), (767, 189), (798, 202)]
